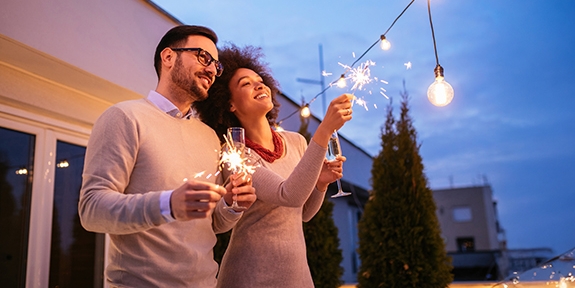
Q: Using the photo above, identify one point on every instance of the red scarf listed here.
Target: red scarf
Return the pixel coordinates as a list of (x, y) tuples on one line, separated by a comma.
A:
[(269, 156)]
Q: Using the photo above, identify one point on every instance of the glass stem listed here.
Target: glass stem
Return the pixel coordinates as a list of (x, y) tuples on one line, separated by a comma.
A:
[(339, 185)]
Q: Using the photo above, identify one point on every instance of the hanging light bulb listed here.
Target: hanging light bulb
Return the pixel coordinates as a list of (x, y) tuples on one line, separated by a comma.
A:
[(439, 93), (278, 128), (341, 83), (305, 112), (384, 44)]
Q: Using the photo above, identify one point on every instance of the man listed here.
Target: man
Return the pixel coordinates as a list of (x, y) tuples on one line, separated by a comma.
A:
[(148, 175)]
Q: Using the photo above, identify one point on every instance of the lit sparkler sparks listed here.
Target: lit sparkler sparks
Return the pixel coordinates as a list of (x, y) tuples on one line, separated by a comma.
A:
[(360, 76), (233, 158), (407, 65)]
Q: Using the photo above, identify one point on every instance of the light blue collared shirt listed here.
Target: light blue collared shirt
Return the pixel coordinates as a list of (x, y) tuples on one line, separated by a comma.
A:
[(167, 106)]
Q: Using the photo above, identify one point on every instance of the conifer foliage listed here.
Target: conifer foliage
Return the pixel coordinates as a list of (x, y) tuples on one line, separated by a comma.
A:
[(400, 242), (322, 243)]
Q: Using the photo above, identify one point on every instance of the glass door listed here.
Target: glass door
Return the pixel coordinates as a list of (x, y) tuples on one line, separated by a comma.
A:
[(76, 255), (16, 172), (42, 243)]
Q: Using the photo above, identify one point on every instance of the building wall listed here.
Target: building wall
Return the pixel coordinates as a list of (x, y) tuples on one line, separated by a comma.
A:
[(70, 60), (482, 225), (109, 39)]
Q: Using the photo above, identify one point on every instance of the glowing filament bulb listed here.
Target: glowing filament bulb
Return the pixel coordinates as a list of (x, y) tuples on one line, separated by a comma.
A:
[(305, 112), (384, 44), (440, 93), (341, 83)]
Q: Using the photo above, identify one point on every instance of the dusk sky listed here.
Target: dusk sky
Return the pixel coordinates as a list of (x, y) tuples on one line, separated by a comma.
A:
[(511, 63)]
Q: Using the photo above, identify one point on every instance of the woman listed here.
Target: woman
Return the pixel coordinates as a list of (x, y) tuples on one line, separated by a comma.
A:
[(267, 246)]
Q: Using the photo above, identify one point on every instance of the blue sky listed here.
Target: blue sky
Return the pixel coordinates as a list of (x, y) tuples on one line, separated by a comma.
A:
[(511, 64)]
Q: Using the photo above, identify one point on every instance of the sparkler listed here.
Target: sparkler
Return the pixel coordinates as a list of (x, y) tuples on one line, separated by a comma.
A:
[(340, 80), (233, 159), (360, 77)]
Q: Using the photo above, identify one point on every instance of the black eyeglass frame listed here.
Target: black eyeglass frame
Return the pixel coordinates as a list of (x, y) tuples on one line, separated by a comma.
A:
[(203, 53)]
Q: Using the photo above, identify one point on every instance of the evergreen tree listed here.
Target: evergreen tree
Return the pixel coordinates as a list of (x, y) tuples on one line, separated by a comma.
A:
[(400, 242), (322, 242)]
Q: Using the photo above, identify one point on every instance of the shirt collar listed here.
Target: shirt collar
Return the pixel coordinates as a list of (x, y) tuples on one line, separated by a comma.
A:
[(168, 107)]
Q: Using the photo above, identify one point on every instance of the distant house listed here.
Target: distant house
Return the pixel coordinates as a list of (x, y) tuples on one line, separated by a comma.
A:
[(62, 63), (475, 239)]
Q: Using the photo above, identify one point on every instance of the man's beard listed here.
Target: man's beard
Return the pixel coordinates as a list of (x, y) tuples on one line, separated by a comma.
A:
[(182, 79)]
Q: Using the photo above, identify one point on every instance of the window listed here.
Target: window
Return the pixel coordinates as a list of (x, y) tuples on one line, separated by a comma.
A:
[(42, 242), (462, 214), (16, 172), (466, 244), (76, 255)]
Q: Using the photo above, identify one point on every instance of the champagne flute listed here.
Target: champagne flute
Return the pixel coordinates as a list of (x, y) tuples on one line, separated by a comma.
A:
[(334, 150), (237, 136)]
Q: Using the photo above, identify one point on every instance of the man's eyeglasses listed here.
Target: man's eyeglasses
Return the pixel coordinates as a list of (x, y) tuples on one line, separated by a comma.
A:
[(205, 58)]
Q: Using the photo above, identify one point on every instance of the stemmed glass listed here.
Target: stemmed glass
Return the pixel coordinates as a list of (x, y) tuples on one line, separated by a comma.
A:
[(334, 150), (237, 136)]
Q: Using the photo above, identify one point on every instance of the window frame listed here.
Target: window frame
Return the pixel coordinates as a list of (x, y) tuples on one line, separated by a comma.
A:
[(48, 131)]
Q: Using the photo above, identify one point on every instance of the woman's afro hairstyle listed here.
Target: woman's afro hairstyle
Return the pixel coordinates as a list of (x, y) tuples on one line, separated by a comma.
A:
[(215, 110)]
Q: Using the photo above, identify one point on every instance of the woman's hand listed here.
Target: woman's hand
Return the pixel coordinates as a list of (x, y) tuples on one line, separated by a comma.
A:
[(330, 171), (338, 112), (240, 186)]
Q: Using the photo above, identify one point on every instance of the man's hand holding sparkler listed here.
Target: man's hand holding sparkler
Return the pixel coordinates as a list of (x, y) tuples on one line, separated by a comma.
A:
[(195, 200)]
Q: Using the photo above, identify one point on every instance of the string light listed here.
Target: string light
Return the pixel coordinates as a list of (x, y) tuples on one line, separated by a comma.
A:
[(305, 112), (341, 83), (439, 93), (278, 128), (384, 44)]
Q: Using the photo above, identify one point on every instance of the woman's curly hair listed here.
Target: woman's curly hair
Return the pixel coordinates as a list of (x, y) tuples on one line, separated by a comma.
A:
[(215, 110)]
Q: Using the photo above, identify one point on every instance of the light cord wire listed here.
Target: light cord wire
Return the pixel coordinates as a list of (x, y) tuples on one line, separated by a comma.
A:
[(357, 60)]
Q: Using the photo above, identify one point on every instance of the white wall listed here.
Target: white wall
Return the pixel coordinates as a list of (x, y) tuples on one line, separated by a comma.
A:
[(111, 39)]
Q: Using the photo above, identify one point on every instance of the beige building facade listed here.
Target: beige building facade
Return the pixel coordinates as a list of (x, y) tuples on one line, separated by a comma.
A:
[(468, 219)]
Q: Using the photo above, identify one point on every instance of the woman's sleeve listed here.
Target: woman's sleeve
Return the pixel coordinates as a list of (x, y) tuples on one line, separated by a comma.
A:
[(296, 189), (313, 204)]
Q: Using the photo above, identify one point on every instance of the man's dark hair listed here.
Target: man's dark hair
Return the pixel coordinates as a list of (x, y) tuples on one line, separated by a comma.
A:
[(215, 110), (177, 37)]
